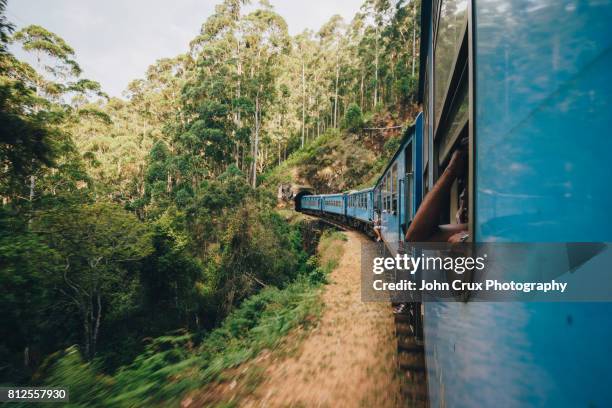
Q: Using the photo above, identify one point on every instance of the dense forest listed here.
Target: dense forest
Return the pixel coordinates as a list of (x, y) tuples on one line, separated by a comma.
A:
[(142, 232)]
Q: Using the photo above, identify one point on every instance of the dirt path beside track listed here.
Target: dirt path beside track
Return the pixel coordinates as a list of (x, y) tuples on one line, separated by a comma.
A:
[(348, 360)]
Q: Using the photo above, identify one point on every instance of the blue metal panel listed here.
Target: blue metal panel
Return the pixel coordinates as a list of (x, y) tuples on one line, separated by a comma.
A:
[(542, 156), (543, 121)]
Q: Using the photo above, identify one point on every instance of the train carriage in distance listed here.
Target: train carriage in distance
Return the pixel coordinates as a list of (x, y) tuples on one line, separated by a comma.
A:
[(310, 203), (334, 204), (398, 192), (360, 205)]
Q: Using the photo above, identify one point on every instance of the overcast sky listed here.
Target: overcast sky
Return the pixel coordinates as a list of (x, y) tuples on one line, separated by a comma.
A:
[(116, 40)]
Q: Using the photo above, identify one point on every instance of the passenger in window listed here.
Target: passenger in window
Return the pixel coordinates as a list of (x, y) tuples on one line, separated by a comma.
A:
[(424, 227), (377, 225)]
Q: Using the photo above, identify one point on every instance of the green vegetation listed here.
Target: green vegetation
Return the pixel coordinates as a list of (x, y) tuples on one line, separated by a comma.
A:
[(139, 256), (353, 118), (175, 364)]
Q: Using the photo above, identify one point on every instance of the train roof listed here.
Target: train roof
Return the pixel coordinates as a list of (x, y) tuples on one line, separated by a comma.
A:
[(330, 195), (363, 190)]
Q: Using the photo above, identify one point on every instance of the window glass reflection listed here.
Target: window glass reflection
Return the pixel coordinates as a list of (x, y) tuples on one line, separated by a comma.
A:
[(453, 14)]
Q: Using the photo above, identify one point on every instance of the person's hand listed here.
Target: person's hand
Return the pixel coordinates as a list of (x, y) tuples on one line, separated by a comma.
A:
[(456, 166)]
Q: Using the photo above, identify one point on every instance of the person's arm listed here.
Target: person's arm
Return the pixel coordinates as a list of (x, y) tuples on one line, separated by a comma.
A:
[(425, 223)]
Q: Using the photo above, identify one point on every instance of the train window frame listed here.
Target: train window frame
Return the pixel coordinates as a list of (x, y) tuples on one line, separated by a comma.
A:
[(446, 139), (460, 48), (443, 129), (388, 193), (384, 193)]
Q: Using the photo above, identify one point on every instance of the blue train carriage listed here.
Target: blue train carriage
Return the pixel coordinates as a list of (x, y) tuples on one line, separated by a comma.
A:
[(335, 205), (309, 203), (528, 85), (398, 192), (359, 206)]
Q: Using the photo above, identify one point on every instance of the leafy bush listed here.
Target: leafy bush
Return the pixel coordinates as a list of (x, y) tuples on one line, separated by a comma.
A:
[(353, 118)]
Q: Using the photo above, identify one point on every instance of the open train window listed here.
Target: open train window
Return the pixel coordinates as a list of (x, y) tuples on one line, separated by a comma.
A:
[(450, 34), (446, 103)]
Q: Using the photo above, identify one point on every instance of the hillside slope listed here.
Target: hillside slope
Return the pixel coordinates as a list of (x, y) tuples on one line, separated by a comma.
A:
[(340, 160)]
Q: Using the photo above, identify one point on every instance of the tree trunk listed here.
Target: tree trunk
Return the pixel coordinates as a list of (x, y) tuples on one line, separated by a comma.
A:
[(376, 71), (32, 185), (256, 143), (96, 331), (413, 37), (336, 94), (303, 99), (361, 91)]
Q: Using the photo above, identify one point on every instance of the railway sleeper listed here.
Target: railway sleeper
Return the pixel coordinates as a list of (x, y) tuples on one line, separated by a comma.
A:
[(412, 361)]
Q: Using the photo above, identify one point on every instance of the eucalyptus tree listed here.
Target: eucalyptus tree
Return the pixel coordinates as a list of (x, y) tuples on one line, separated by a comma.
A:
[(57, 76), (332, 42), (53, 56), (266, 41), (6, 28), (96, 243)]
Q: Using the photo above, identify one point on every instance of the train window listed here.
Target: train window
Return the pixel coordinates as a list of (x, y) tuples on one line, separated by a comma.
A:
[(451, 29), (394, 183), (409, 177), (455, 122), (387, 193), (384, 193), (426, 121)]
